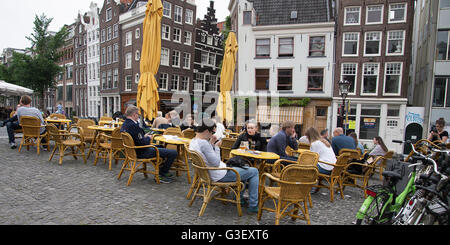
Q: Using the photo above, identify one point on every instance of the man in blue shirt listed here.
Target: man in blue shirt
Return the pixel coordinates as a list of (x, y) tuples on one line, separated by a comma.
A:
[(341, 141), (284, 138), (131, 126)]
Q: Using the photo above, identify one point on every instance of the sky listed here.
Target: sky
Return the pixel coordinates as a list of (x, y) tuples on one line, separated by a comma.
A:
[(16, 18)]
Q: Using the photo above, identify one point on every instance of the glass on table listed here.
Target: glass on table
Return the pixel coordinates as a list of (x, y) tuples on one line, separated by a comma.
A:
[(244, 145)]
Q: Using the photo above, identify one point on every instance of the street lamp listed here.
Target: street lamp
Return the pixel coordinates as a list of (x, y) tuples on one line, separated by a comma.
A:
[(343, 88)]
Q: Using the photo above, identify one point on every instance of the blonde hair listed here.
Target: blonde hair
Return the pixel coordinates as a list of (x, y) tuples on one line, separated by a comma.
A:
[(313, 135)]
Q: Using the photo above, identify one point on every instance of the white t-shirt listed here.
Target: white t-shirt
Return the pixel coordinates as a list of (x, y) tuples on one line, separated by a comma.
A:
[(211, 156), (326, 154)]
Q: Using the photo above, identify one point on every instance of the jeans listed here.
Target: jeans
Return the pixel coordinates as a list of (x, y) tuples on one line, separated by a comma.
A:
[(323, 171), (168, 154), (283, 157), (10, 127), (250, 175)]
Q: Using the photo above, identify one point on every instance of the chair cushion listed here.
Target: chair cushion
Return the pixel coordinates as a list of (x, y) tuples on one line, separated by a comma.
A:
[(71, 142)]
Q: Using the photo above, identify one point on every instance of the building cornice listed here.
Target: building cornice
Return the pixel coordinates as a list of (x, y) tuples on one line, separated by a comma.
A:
[(293, 26)]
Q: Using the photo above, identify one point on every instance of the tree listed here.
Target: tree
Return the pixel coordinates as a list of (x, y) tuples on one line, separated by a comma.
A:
[(39, 70)]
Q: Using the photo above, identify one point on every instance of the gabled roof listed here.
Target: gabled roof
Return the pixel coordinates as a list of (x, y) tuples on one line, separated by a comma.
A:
[(279, 12)]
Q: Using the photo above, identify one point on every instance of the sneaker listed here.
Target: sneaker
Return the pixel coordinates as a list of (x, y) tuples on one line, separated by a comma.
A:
[(13, 145), (165, 180), (252, 210), (168, 174)]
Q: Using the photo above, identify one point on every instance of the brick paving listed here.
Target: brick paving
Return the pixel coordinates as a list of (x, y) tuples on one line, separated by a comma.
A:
[(34, 191)]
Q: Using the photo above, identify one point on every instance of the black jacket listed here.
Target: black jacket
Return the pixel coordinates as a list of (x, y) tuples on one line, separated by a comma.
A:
[(260, 143), (137, 133)]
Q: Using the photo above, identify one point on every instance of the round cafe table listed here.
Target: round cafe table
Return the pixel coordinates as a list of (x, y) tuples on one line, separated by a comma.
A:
[(258, 157), (59, 121)]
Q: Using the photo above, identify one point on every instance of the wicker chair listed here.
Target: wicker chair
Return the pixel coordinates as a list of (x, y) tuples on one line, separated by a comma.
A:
[(188, 133), (59, 116), (109, 146), (132, 163), (383, 163), (293, 188), (204, 181), (63, 140), (225, 148), (87, 133), (351, 179), (354, 153), (31, 127), (306, 158), (173, 131), (304, 146), (334, 180)]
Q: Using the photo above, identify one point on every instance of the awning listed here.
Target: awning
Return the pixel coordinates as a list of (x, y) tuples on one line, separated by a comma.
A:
[(267, 114), (8, 89)]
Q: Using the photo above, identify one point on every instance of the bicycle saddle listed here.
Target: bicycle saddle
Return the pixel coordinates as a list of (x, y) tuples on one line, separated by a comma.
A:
[(392, 174)]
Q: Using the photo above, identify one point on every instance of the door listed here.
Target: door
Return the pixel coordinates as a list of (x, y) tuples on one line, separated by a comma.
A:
[(393, 132), (413, 133)]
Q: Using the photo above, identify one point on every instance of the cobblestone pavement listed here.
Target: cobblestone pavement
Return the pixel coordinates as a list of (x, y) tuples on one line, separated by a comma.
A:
[(35, 191)]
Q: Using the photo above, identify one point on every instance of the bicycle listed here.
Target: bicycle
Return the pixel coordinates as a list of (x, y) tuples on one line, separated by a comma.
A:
[(430, 202), (382, 202)]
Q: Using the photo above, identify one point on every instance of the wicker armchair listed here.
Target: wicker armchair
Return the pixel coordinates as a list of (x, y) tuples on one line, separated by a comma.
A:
[(87, 133), (109, 146), (351, 179), (59, 116), (334, 180), (204, 181), (354, 153), (225, 148), (63, 140), (173, 131), (383, 163), (132, 163), (31, 127), (304, 146), (188, 133), (293, 188)]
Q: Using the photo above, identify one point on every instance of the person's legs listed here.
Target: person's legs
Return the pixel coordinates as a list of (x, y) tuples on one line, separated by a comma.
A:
[(249, 175), (10, 127), (170, 156), (323, 171)]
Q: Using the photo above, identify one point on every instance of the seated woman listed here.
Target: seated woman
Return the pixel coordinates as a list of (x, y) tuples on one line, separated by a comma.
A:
[(438, 132), (323, 148), (251, 135), (380, 148), (208, 146)]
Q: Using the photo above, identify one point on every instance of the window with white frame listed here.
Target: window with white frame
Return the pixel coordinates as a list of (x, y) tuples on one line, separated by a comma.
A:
[(165, 33), (137, 55), (128, 38), (286, 47), (187, 37), (137, 33), (116, 30), (128, 83), (351, 44), (189, 16), (369, 126), (441, 93), (128, 60), (212, 59), (204, 58), (116, 52), (352, 16), (443, 45), (374, 15), (393, 78), (175, 82), (109, 55), (372, 44), (176, 58), (395, 43), (349, 73), (370, 78), (116, 78), (397, 13), (108, 14), (163, 81), (317, 46), (186, 60), (209, 40), (184, 86), (165, 56), (178, 14), (177, 35), (167, 8), (263, 47)]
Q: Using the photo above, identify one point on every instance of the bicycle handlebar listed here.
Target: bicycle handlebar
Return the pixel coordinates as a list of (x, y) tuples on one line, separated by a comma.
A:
[(435, 169)]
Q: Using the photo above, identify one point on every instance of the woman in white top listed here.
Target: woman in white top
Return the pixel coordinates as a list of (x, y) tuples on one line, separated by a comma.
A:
[(206, 143), (323, 148)]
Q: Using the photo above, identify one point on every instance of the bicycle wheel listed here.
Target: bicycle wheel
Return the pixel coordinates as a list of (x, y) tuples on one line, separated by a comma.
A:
[(374, 214)]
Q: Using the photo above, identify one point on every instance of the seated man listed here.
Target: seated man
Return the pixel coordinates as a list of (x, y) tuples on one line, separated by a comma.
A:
[(341, 141), (12, 124), (285, 137), (27, 110), (131, 126), (206, 143)]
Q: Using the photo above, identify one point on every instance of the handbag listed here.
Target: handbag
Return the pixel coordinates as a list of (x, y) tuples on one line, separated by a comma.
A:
[(238, 161)]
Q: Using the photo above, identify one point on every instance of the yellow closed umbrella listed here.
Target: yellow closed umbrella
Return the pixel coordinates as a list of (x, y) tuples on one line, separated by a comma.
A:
[(147, 96), (224, 107)]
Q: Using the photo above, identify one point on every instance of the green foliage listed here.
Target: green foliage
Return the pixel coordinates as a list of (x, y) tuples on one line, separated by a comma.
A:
[(289, 102)]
